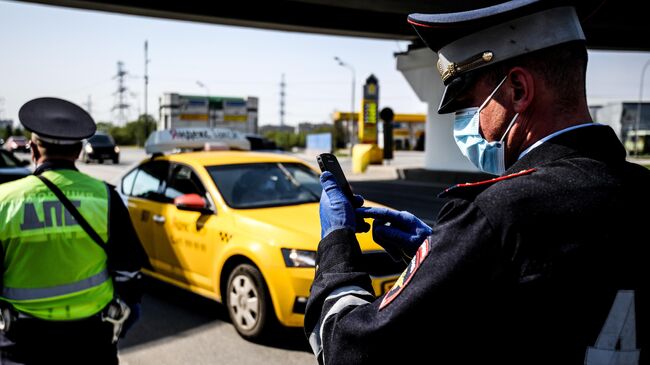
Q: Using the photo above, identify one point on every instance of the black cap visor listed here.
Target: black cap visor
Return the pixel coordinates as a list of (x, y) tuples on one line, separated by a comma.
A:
[(456, 87)]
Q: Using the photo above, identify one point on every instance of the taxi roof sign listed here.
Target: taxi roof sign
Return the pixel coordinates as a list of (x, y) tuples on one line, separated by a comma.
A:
[(170, 140)]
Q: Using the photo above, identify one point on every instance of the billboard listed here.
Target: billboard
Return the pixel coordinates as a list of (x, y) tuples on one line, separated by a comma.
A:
[(235, 111), (192, 108)]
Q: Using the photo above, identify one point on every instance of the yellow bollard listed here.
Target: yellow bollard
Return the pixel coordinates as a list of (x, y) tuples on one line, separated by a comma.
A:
[(363, 155)]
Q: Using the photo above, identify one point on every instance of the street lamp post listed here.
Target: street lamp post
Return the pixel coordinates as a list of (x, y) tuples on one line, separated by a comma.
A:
[(352, 104), (207, 100), (146, 87)]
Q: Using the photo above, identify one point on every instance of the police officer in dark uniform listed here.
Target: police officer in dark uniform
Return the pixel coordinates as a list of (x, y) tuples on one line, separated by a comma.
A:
[(70, 257), (547, 263)]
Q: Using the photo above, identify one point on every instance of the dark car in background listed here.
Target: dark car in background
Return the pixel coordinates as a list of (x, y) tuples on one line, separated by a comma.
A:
[(16, 144), (260, 143), (100, 147), (11, 168)]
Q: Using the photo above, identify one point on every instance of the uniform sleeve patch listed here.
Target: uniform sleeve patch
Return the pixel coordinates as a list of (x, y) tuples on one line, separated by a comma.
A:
[(407, 275)]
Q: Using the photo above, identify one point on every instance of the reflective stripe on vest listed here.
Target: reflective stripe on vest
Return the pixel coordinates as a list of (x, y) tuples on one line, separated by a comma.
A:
[(54, 291)]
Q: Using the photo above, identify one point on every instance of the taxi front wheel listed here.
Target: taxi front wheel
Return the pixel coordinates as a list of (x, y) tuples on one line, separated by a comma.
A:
[(249, 303)]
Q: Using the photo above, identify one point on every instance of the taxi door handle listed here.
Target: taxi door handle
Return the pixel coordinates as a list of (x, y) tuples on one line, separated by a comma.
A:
[(158, 218)]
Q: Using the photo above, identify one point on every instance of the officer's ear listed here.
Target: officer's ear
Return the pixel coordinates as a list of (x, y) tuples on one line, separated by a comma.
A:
[(33, 147), (522, 85)]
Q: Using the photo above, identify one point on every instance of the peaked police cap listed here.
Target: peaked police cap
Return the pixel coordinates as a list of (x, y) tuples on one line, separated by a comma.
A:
[(56, 120), (470, 40)]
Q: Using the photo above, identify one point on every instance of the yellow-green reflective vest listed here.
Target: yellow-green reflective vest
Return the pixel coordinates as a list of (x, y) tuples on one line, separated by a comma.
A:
[(52, 269)]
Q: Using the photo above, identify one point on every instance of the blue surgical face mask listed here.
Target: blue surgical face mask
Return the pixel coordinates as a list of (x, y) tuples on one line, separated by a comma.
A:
[(487, 156)]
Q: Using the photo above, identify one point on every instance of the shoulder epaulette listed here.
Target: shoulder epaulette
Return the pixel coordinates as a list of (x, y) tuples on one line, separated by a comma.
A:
[(474, 188)]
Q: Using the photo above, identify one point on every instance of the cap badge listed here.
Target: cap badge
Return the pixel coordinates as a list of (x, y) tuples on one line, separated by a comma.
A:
[(471, 63)]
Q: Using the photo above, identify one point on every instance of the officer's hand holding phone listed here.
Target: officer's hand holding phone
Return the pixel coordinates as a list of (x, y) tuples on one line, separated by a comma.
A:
[(399, 233), (337, 202)]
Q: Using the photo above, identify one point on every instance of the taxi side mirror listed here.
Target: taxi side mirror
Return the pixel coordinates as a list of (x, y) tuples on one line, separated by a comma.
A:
[(192, 202)]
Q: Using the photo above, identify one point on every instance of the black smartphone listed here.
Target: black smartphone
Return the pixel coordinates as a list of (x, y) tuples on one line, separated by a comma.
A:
[(328, 162)]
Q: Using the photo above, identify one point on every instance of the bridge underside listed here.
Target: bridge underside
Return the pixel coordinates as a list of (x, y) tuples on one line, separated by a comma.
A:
[(617, 25)]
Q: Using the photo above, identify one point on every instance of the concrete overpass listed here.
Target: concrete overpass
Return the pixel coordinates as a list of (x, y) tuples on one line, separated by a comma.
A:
[(617, 25)]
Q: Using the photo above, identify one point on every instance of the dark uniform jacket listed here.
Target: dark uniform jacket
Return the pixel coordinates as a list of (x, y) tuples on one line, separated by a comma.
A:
[(520, 269)]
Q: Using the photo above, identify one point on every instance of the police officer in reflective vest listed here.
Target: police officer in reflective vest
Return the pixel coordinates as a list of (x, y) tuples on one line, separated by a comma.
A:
[(548, 263), (70, 256)]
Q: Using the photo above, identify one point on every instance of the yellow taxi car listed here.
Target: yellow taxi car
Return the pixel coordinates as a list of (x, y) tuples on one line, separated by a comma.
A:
[(239, 227)]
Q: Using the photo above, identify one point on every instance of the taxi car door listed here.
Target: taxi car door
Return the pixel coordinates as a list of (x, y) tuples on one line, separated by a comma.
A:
[(145, 203), (191, 234)]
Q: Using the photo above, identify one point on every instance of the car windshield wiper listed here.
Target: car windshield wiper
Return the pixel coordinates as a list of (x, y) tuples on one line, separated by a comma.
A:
[(296, 183)]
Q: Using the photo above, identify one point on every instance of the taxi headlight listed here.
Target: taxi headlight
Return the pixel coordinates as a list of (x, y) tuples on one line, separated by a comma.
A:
[(116, 149), (89, 148), (299, 258)]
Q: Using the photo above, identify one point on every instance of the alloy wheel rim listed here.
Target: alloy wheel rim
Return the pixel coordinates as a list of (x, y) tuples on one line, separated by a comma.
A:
[(244, 302)]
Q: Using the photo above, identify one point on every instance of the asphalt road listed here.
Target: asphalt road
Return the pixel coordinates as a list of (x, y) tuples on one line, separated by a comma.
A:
[(415, 197), (178, 327)]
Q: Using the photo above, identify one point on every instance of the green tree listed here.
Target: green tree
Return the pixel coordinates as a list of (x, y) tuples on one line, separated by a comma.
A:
[(287, 140), (105, 127), (21, 132), (141, 128), (7, 132), (133, 133)]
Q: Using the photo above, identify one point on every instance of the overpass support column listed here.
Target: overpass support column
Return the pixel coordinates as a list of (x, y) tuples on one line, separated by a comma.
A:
[(440, 152)]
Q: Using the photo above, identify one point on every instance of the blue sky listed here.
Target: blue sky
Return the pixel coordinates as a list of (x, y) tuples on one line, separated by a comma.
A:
[(73, 54)]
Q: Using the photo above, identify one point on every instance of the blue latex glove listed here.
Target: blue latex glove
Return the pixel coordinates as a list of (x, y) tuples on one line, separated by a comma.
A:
[(336, 211), (402, 237)]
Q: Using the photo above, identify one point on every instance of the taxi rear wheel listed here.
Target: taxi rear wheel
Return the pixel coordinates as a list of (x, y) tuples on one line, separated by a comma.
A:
[(248, 302)]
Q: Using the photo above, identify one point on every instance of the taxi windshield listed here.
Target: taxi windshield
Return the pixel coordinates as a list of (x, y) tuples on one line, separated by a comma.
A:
[(260, 185)]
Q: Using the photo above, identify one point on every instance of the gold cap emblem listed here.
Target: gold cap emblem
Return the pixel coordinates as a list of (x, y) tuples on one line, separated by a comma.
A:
[(471, 63)]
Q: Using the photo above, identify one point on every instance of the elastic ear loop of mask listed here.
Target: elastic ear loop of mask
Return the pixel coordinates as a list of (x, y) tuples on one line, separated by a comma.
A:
[(512, 121), (492, 94)]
